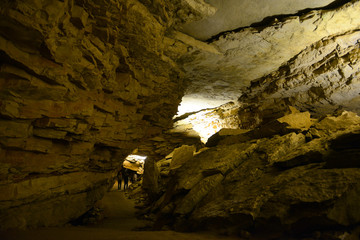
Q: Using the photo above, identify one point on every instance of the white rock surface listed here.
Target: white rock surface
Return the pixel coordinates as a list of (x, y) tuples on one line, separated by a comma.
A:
[(252, 53), (233, 14)]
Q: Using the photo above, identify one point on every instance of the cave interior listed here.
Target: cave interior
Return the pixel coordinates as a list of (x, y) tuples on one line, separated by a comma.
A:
[(244, 114)]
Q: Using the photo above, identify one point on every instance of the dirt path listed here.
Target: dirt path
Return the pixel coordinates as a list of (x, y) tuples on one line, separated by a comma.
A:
[(119, 212), (118, 225)]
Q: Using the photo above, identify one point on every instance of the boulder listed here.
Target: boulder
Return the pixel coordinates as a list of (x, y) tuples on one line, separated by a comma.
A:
[(346, 152), (151, 178), (181, 155), (272, 186), (197, 193), (222, 134), (297, 120)]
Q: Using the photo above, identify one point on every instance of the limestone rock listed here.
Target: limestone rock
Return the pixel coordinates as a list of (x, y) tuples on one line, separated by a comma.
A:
[(151, 178), (275, 184), (346, 151), (181, 155), (227, 17), (294, 122), (304, 159), (209, 162), (249, 53), (27, 203), (82, 84), (222, 134), (297, 120), (197, 193), (319, 83)]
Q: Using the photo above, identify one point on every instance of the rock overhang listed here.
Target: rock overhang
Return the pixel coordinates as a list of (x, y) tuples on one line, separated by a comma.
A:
[(235, 58), (234, 14)]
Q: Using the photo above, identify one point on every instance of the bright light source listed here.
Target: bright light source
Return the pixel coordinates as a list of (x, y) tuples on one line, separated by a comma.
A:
[(136, 158), (206, 124), (135, 163), (208, 116), (192, 104)]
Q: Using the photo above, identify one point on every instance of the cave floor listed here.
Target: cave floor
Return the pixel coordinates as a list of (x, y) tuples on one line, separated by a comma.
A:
[(118, 224)]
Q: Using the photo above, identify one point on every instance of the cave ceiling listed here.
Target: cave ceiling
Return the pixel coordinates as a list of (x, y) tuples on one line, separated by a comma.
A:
[(247, 40), (233, 14)]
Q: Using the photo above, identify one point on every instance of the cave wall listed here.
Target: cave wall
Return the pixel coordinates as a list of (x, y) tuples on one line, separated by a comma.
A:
[(227, 17), (291, 171), (246, 54), (288, 181), (321, 79), (82, 83)]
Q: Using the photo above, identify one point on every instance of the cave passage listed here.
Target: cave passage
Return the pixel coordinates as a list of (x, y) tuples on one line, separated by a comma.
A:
[(131, 171), (127, 115)]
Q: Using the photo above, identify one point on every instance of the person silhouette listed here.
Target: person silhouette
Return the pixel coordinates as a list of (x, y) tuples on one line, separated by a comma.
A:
[(126, 178)]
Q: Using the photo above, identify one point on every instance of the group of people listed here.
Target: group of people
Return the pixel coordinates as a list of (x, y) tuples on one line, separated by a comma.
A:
[(126, 175)]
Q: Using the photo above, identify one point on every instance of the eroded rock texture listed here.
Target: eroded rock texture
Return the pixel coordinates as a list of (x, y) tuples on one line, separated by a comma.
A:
[(82, 83), (227, 17), (293, 183), (250, 53), (322, 78)]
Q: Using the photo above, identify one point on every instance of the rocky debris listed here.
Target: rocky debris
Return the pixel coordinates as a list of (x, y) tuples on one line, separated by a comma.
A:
[(270, 186), (305, 159), (82, 84), (294, 121), (197, 193), (157, 173), (181, 155), (346, 152), (251, 53), (223, 134)]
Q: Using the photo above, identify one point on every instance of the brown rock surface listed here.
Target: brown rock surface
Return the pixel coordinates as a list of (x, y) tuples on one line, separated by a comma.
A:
[(82, 83), (181, 155), (271, 185)]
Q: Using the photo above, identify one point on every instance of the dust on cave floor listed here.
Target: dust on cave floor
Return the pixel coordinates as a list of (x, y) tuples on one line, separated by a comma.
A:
[(119, 224)]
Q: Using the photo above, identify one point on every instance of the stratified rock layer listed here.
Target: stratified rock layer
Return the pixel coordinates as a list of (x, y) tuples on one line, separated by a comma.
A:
[(321, 79), (227, 16), (251, 53), (290, 184), (82, 83)]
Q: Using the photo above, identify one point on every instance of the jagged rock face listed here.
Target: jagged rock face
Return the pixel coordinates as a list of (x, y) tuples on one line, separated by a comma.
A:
[(296, 183), (82, 83), (250, 53), (322, 78)]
